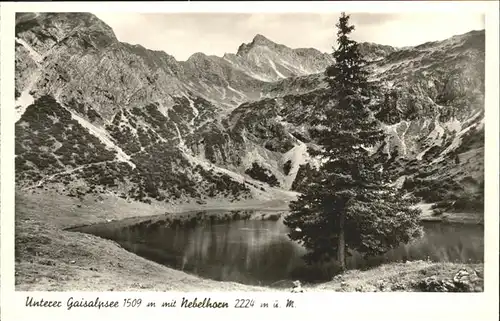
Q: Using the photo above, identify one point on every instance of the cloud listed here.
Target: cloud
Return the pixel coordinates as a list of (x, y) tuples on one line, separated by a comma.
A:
[(368, 19), (415, 28), (182, 34)]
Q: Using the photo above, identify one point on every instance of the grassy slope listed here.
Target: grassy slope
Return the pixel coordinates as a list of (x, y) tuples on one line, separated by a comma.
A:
[(48, 258)]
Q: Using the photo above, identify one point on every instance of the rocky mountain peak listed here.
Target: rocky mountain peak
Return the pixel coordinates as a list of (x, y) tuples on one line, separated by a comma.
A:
[(77, 29), (268, 61), (261, 40), (64, 22), (258, 40)]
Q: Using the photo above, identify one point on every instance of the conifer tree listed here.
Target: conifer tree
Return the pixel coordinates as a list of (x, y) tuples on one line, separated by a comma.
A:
[(349, 203)]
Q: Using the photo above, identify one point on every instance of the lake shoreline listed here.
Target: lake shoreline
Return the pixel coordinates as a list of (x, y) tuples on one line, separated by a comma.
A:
[(450, 217), (446, 218), (48, 258)]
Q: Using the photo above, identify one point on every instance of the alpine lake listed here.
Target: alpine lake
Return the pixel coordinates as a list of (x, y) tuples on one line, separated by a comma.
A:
[(252, 247)]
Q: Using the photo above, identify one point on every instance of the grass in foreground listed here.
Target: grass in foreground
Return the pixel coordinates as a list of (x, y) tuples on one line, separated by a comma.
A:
[(421, 276)]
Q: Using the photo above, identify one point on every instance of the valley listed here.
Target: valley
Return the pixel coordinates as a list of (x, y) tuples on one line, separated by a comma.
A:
[(49, 257), (107, 130)]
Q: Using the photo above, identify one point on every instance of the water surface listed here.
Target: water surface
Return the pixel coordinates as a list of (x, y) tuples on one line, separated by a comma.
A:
[(259, 252)]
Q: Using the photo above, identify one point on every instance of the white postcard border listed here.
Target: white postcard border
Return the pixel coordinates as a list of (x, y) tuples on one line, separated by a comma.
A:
[(347, 306)]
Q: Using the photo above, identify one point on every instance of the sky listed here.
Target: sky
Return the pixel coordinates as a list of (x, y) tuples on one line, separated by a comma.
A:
[(183, 34)]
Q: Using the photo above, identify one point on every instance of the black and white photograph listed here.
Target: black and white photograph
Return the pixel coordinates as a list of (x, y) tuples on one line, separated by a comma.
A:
[(250, 152)]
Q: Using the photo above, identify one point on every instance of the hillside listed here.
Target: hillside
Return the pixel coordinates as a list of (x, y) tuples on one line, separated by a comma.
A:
[(98, 116)]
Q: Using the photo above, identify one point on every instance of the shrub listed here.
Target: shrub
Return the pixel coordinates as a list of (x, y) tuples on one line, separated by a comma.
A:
[(287, 166), (262, 174)]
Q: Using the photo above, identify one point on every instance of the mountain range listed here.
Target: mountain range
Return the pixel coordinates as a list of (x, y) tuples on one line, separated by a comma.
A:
[(96, 115)]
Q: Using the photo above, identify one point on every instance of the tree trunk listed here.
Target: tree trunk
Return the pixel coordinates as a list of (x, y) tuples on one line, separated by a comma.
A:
[(341, 244)]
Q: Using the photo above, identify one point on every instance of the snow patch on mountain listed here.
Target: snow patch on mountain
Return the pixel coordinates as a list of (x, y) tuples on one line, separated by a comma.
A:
[(453, 125), (163, 108), (391, 135), (22, 103), (181, 144), (437, 133), (253, 156), (26, 99), (402, 138), (298, 155), (195, 110), (273, 66)]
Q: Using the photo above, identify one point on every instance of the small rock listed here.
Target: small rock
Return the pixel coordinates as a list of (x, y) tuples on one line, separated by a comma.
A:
[(461, 276), (433, 284), (478, 273), (381, 285), (338, 278), (447, 284), (297, 288), (72, 262)]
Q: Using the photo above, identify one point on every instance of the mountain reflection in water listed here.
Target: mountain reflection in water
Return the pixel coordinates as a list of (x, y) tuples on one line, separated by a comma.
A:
[(259, 252)]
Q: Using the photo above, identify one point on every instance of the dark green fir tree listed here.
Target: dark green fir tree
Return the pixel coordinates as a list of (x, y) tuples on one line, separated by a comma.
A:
[(349, 203)]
